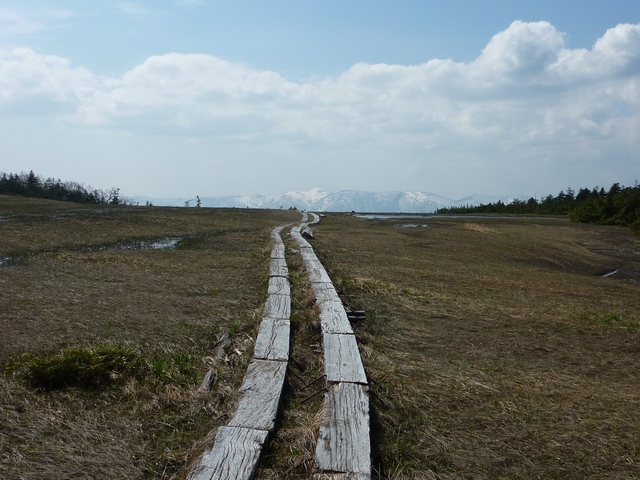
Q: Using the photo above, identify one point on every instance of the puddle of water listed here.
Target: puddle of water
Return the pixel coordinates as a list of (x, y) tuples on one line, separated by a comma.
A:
[(413, 225), (168, 243), (165, 243)]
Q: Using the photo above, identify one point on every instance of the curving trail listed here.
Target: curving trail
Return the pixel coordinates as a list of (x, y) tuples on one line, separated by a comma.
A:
[(343, 450)]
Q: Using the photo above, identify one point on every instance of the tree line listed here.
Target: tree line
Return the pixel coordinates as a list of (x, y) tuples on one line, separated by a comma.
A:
[(618, 206), (32, 185)]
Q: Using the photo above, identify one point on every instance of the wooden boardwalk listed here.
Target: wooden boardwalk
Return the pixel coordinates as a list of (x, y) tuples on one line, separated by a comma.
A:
[(237, 447), (343, 450)]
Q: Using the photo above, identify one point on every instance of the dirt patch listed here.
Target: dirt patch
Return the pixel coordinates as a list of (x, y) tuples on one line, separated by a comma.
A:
[(476, 227)]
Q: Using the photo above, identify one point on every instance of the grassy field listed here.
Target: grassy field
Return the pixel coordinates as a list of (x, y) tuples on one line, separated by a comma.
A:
[(104, 342), (494, 347)]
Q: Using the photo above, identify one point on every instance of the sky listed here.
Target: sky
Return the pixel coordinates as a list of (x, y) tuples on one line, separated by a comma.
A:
[(178, 98)]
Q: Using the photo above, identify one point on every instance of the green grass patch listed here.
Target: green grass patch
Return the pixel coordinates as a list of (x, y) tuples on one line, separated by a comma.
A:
[(93, 368), (102, 366)]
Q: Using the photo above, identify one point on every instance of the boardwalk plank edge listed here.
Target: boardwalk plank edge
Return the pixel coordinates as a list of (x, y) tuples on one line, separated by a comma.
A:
[(342, 361), (235, 455), (272, 342), (260, 394), (346, 422), (343, 450), (237, 448)]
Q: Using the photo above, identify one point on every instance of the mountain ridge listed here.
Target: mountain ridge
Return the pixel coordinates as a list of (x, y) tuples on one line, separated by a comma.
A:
[(320, 200)]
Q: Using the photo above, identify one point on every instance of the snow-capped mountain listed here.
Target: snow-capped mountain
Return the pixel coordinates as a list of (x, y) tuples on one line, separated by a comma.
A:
[(320, 200)]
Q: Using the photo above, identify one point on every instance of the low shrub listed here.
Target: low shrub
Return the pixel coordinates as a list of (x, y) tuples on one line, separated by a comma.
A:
[(79, 367)]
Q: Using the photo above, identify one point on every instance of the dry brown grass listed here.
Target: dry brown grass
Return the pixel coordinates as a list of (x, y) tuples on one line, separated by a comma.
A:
[(169, 307), (495, 349)]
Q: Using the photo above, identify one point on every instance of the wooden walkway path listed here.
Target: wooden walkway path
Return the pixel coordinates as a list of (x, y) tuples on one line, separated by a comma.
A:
[(343, 449), (237, 447)]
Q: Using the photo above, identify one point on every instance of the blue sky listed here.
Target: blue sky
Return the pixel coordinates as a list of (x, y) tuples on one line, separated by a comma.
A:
[(178, 98)]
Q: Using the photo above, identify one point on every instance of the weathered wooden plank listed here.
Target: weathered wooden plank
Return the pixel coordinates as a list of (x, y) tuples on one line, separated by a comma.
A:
[(325, 292), (340, 476), (278, 268), (272, 342), (259, 395), (278, 306), (333, 318), (343, 443), (235, 455), (317, 273), (277, 251), (342, 362), (301, 241), (314, 218), (279, 286), (308, 255)]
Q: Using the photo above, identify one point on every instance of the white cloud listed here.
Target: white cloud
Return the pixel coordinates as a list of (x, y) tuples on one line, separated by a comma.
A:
[(520, 53), (25, 73), (526, 95), (525, 84), (13, 23)]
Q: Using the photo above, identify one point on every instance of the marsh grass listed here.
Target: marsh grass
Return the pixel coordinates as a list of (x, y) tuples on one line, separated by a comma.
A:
[(494, 348), (103, 350)]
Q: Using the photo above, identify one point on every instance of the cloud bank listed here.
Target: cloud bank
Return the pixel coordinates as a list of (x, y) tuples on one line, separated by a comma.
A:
[(525, 96)]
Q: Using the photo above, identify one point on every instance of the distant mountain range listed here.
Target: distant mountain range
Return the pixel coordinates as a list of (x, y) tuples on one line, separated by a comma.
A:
[(319, 200)]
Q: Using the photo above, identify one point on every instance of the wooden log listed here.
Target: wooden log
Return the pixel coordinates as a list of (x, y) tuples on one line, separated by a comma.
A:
[(218, 354), (343, 443), (278, 306), (272, 342), (342, 362), (333, 318), (278, 268), (235, 455), (259, 395), (279, 286), (208, 381)]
